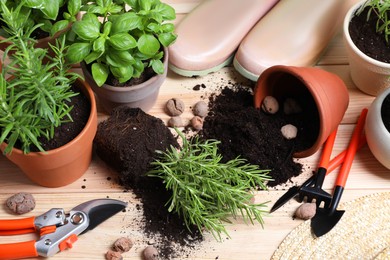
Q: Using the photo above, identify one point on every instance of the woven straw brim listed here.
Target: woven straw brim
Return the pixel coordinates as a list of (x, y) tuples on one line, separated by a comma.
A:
[(363, 232)]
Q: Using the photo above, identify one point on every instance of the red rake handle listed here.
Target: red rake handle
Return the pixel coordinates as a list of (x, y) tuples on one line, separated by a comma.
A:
[(327, 151), (351, 151)]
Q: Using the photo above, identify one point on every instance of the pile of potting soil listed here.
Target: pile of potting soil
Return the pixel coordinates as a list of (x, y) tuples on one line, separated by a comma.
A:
[(250, 133), (127, 141)]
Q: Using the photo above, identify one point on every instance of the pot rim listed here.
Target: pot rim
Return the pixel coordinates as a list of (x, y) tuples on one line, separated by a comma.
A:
[(347, 37)]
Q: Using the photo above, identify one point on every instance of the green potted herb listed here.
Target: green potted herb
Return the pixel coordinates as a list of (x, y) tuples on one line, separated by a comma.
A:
[(36, 99), (121, 45), (54, 17), (205, 191), (366, 24)]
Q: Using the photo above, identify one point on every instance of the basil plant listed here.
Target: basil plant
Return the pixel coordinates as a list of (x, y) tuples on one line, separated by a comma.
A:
[(50, 16), (122, 37)]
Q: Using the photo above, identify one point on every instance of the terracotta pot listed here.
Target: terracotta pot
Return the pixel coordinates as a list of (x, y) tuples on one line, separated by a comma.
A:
[(369, 75), (307, 85), (378, 137), (64, 165), (143, 95)]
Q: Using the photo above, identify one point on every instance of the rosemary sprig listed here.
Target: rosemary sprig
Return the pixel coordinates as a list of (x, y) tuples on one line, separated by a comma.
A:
[(205, 191), (381, 9)]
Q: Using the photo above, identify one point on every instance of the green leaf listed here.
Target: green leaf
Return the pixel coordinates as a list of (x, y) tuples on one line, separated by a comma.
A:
[(167, 39), (74, 7), (51, 9), (122, 41), (86, 30), (91, 18), (167, 11), (123, 74), (125, 22), (37, 4), (99, 73), (93, 56), (119, 58), (145, 5), (99, 44), (168, 27), (148, 44), (157, 66), (77, 52), (59, 26)]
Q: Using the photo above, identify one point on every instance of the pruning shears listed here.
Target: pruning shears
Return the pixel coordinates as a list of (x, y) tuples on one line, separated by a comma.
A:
[(57, 229)]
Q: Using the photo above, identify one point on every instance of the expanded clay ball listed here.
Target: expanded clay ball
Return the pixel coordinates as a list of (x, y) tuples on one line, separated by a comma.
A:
[(175, 107), (291, 106), (289, 131), (122, 245), (113, 255), (200, 109), (306, 211), (197, 123), (270, 105), (175, 121), (150, 253), (21, 203)]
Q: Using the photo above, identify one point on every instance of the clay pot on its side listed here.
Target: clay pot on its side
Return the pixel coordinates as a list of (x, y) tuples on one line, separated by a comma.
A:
[(378, 137), (369, 75), (143, 95), (64, 165), (308, 85)]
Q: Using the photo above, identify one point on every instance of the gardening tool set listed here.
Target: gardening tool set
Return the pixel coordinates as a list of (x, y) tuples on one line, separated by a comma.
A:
[(327, 216), (58, 230)]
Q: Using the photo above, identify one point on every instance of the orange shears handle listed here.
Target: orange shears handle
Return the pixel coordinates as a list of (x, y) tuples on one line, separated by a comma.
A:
[(17, 226), (18, 250)]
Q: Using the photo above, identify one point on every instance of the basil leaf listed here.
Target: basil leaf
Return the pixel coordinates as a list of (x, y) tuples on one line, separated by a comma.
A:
[(123, 74), (99, 73), (86, 30), (77, 52), (167, 39), (157, 66), (166, 11), (74, 7), (126, 22), (148, 44), (59, 26), (122, 41)]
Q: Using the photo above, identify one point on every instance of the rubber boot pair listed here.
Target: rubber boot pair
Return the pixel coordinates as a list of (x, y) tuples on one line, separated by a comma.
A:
[(254, 34)]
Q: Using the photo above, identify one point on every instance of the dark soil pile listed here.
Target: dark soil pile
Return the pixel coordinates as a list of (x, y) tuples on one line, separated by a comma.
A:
[(250, 133), (127, 141), (385, 112), (365, 37)]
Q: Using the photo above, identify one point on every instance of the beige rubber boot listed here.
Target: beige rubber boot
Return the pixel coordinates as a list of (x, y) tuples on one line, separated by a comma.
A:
[(294, 32), (209, 35)]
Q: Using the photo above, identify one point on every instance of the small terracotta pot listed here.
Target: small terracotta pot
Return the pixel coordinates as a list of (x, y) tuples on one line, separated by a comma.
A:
[(308, 85), (378, 137), (64, 165), (369, 75), (143, 95)]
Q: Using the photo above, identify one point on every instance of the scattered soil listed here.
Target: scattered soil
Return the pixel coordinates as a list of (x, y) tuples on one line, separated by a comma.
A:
[(127, 141), (66, 132), (385, 111), (365, 37), (254, 135)]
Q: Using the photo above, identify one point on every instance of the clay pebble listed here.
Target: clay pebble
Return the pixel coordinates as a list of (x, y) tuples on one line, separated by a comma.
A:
[(200, 109), (197, 123), (289, 131), (270, 105), (306, 211), (174, 107), (123, 245), (21, 203), (175, 121), (150, 253), (113, 255)]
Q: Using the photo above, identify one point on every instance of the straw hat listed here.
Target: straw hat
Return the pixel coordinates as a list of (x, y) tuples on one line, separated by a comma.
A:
[(362, 233)]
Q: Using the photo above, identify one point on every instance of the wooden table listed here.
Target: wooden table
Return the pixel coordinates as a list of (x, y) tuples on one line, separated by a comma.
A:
[(247, 241)]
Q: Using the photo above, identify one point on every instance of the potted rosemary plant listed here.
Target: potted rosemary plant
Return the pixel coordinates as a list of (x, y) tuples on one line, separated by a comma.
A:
[(53, 18), (37, 101), (121, 45), (366, 33)]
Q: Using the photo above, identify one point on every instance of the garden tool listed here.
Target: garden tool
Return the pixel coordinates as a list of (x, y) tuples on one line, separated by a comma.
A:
[(58, 230), (326, 218), (316, 192), (295, 190)]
